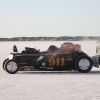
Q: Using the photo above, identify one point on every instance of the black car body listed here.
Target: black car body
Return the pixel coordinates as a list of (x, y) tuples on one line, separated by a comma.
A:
[(54, 59)]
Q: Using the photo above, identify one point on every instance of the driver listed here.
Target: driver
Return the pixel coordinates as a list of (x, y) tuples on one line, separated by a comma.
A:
[(64, 45)]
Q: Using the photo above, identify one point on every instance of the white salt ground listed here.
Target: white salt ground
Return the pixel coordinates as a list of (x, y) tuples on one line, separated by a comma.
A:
[(70, 85)]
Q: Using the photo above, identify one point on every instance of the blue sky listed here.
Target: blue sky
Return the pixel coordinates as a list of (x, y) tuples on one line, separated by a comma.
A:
[(29, 18)]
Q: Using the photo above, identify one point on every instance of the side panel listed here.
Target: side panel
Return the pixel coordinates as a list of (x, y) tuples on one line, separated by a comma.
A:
[(27, 59), (54, 61)]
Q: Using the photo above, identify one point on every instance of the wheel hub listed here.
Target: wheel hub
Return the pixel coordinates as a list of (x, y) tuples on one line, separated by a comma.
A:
[(12, 66), (84, 64)]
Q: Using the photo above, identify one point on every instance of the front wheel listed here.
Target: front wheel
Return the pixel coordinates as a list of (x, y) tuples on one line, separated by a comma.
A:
[(12, 66), (83, 64)]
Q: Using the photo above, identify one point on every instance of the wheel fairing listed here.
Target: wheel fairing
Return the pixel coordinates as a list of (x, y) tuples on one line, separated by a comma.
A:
[(4, 62)]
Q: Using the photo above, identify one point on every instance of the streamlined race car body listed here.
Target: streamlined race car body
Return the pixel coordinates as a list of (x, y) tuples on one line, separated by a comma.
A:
[(68, 57)]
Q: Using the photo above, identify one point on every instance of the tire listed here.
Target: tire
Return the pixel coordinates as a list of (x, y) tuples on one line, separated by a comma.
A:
[(3, 65), (12, 66), (83, 64)]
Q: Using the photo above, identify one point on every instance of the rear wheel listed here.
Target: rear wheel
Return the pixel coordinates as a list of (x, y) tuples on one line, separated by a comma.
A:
[(12, 66), (83, 64)]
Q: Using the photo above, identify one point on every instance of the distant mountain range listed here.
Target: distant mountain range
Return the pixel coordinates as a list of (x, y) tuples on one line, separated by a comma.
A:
[(61, 38)]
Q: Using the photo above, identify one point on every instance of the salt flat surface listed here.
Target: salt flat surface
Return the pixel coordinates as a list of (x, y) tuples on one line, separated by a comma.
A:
[(70, 85)]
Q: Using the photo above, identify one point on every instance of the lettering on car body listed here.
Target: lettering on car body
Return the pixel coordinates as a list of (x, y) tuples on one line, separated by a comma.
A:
[(56, 61)]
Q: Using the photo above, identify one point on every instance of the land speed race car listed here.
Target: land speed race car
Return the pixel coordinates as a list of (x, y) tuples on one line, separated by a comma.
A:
[(67, 57)]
